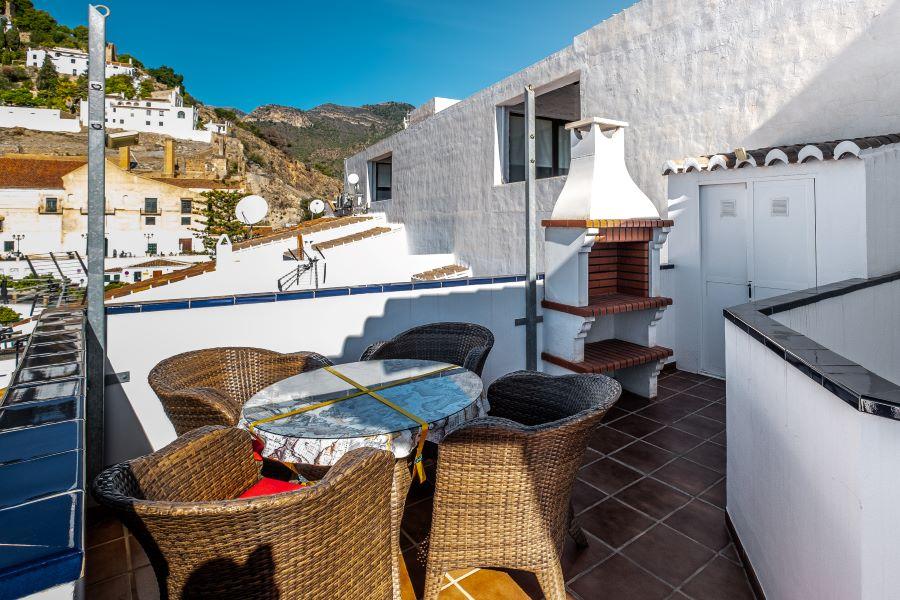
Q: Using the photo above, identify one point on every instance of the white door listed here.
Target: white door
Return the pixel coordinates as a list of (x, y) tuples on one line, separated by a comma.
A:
[(752, 250), (723, 248), (784, 237)]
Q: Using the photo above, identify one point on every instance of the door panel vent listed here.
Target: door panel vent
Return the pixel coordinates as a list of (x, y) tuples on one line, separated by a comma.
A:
[(780, 206), (728, 208)]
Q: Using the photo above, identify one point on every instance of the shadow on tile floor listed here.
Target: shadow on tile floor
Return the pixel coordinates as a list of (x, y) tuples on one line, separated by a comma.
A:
[(650, 495)]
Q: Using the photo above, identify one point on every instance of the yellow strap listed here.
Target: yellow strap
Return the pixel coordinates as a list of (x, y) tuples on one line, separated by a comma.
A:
[(420, 469), (362, 391)]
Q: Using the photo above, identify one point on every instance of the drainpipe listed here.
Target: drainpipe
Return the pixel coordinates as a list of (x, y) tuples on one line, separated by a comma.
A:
[(96, 316), (530, 227)]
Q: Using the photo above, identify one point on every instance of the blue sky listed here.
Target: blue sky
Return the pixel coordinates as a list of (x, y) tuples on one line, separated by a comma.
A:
[(303, 53)]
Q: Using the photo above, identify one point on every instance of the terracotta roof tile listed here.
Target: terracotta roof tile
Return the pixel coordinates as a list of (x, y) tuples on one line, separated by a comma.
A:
[(160, 262), (36, 172)]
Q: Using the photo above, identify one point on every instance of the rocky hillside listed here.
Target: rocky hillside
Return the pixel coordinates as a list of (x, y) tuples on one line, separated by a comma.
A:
[(323, 136)]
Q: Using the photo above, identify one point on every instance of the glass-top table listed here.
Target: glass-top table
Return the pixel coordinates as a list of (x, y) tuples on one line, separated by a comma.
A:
[(439, 394)]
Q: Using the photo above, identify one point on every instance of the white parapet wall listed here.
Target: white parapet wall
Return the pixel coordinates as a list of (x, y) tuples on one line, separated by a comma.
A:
[(339, 326), (38, 119), (813, 440)]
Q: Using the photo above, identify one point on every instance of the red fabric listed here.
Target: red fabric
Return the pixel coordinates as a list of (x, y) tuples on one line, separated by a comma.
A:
[(258, 446), (268, 486)]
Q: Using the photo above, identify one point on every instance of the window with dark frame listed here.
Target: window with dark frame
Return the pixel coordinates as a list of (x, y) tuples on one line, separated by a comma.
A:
[(151, 248), (9, 246), (150, 220), (151, 206), (51, 205), (186, 206), (383, 177), (552, 152), (185, 220)]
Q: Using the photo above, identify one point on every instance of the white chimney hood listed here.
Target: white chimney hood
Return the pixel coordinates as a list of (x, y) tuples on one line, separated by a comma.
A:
[(598, 185)]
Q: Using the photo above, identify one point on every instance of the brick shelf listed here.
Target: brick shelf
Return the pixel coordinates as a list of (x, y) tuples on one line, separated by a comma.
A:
[(609, 304), (610, 355)]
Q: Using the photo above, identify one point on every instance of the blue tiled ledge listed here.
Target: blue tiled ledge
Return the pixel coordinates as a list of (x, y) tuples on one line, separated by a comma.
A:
[(379, 288), (42, 460), (854, 384)]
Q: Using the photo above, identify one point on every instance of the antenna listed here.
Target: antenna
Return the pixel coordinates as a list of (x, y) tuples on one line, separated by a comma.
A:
[(352, 178), (251, 210)]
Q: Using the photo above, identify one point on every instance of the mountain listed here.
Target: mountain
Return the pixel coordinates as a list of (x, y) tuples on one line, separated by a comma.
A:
[(323, 136)]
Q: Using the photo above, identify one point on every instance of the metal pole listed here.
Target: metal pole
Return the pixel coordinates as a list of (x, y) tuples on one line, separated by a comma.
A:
[(96, 317), (530, 232)]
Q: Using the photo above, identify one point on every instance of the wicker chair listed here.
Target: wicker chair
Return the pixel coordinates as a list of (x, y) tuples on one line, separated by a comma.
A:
[(331, 540), (210, 386), (504, 482), (463, 344)]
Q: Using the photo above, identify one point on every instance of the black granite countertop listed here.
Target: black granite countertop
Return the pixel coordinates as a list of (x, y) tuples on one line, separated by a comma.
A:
[(849, 381)]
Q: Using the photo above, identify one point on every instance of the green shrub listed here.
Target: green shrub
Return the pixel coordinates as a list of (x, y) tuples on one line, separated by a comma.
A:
[(8, 315)]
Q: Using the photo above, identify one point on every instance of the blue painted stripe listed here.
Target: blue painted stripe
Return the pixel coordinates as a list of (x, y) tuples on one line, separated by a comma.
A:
[(481, 281), (454, 283), (426, 285), (296, 295), (169, 305), (397, 287), (255, 299), (332, 292), (366, 289), (123, 309), (207, 302)]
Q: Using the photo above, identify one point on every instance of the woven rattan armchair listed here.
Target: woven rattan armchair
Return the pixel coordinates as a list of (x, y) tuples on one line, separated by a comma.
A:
[(331, 540), (210, 386), (463, 344), (504, 482)]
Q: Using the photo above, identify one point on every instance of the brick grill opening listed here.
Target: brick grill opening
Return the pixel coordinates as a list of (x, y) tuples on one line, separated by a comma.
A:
[(618, 268)]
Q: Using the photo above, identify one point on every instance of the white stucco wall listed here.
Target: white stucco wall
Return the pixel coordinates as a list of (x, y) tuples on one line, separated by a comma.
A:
[(39, 119), (690, 77), (339, 327), (863, 326), (812, 486)]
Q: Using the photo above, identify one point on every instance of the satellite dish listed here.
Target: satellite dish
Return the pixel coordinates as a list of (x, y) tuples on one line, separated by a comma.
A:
[(353, 178), (317, 207), (251, 209)]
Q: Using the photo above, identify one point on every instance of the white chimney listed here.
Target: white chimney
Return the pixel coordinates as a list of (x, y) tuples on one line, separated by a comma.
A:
[(598, 185)]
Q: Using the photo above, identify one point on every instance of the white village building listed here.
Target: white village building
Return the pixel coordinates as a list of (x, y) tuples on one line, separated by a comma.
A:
[(43, 208), (38, 119), (163, 113), (687, 76), (71, 61)]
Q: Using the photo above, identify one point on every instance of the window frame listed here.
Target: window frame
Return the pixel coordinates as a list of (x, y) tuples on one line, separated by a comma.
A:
[(375, 187), (556, 169), (147, 211)]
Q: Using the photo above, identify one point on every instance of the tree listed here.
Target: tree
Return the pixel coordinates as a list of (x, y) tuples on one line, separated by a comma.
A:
[(146, 88), (123, 84), (168, 77), (219, 218), (47, 77), (11, 38)]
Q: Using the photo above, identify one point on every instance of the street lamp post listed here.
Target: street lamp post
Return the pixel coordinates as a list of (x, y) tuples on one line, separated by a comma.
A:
[(18, 237)]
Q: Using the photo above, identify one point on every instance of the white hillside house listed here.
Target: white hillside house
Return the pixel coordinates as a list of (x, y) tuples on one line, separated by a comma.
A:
[(69, 61), (164, 113), (38, 119)]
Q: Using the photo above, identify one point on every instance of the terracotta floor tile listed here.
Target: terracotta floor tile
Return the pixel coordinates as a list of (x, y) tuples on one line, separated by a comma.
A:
[(654, 498), (668, 554), (716, 494), (144, 584), (719, 438), (720, 579), (608, 440), (643, 456), (635, 426), (699, 426), (619, 579), (527, 582), (632, 402), (590, 456), (709, 455), (687, 476), (703, 523), (105, 561), (101, 526), (576, 561), (414, 568), (487, 584), (452, 593), (708, 391), (613, 414), (614, 523), (673, 440), (672, 409), (608, 476), (584, 496), (677, 383), (117, 588), (714, 410)]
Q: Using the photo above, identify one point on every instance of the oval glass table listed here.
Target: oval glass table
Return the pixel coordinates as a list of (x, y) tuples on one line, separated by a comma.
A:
[(314, 418)]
